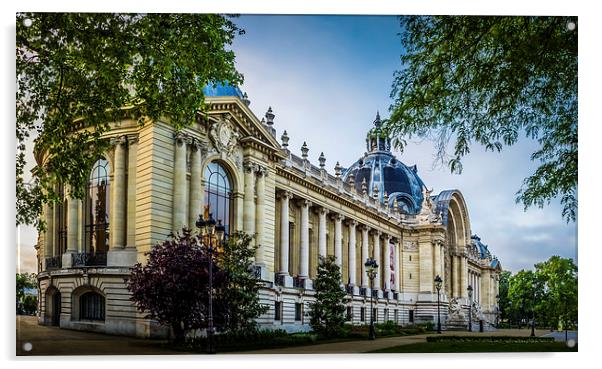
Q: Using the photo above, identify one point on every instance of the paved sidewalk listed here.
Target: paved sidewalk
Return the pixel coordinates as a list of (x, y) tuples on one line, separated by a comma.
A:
[(354, 347), (46, 340)]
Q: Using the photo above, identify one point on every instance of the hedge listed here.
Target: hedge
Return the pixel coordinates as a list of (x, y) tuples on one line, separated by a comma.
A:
[(505, 339)]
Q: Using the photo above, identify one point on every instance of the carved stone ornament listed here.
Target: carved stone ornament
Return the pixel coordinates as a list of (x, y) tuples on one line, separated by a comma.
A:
[(224, 135), (410, 246)]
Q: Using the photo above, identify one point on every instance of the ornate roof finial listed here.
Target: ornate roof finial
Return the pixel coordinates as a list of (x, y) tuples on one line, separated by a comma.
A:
[(386, 198), (284, 139), (395, 204), (375, 192), (352, 180), (337, 169), (364, 187), (322, 160), (377, 121), (269, 117), (245, 99), (304, 150)]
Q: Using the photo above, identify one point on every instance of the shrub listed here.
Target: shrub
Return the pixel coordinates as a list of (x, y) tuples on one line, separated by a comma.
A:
[(504, 339)]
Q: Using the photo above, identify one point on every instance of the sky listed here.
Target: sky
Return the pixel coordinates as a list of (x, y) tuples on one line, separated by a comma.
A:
[(325, 78)]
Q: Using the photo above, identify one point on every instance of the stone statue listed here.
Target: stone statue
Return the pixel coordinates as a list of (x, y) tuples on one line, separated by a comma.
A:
[(455, 310)]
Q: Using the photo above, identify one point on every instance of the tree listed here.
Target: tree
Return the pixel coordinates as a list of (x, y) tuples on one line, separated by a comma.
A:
[(327, 313), (559, 276), (23, 281), (523, 292), (489, 80), (238, 301), (85, 70), (173, 286)]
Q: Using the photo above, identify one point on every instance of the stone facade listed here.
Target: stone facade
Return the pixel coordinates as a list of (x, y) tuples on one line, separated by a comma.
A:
[(296, 210)]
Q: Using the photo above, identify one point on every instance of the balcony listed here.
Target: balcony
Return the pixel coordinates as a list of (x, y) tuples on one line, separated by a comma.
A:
[(54, 262), (349, 289), (85, 259), (375, 294), (363, 291)]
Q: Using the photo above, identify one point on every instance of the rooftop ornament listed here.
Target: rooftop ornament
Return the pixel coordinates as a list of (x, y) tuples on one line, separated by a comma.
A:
[(304, 151), (284, 139), (337, 169), (269, 116), (364, 187), (322, 160), (245, 99)]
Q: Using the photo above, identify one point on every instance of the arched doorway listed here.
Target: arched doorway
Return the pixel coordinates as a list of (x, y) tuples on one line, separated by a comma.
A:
[(53, 307)]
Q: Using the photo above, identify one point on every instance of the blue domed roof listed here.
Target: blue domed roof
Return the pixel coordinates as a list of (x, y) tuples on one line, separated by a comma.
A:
[(483, 249), (380, 168), (222, 89)]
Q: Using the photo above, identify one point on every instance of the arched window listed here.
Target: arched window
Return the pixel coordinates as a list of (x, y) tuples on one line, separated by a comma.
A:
[(218, 194), (91, 306), (96, 209)]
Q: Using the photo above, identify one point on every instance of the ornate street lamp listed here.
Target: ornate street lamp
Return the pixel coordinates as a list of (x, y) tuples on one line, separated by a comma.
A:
[(371, 268), (469, 289), (210, 233), (438, 282)]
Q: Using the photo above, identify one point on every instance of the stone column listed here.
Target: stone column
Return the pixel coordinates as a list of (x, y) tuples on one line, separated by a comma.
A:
[(338, 240), (387, 263), (377, 252), (249, 201), (437, 259), (322, 212), (396, 264), (352, 264), (119, 195), (179, 184), (196, 207), (365, 256), (284, 230), (131, 192), (259, 215), (49, 234), (123, 217), (72, 229), (304, 252)]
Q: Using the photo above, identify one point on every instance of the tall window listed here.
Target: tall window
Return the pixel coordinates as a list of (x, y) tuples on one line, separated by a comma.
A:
[(218, 194), (96, 209), (91, 306), (61, 222)]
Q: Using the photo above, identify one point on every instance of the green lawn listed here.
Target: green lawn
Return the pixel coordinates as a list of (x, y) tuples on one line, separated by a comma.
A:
[(447, 347)]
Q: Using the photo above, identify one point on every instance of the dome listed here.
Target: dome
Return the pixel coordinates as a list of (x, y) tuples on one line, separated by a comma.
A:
[(222, 89), (483, 249), (379, 170)]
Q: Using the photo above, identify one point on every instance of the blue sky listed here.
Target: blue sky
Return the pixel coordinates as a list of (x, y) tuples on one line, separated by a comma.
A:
[(326, 76)]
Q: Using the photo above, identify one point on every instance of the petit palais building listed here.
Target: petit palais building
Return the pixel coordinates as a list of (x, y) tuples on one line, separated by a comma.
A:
[(153, 181)]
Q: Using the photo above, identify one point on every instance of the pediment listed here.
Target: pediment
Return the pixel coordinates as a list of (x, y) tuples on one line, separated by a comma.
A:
[(231, 121)]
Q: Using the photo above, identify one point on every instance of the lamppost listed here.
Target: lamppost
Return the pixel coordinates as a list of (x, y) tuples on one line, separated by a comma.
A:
[(210, 233), (522, 311), (438, 282), (469, 289), (371, 268), (533, 314)]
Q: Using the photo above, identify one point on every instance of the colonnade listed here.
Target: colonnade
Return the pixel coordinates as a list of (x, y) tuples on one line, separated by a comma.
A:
[(383, 244), (66, 220), (474, 279)]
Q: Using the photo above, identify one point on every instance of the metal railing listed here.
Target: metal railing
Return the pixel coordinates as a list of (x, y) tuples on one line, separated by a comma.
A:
[(89, 259), (54, 262), (279, 279)]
